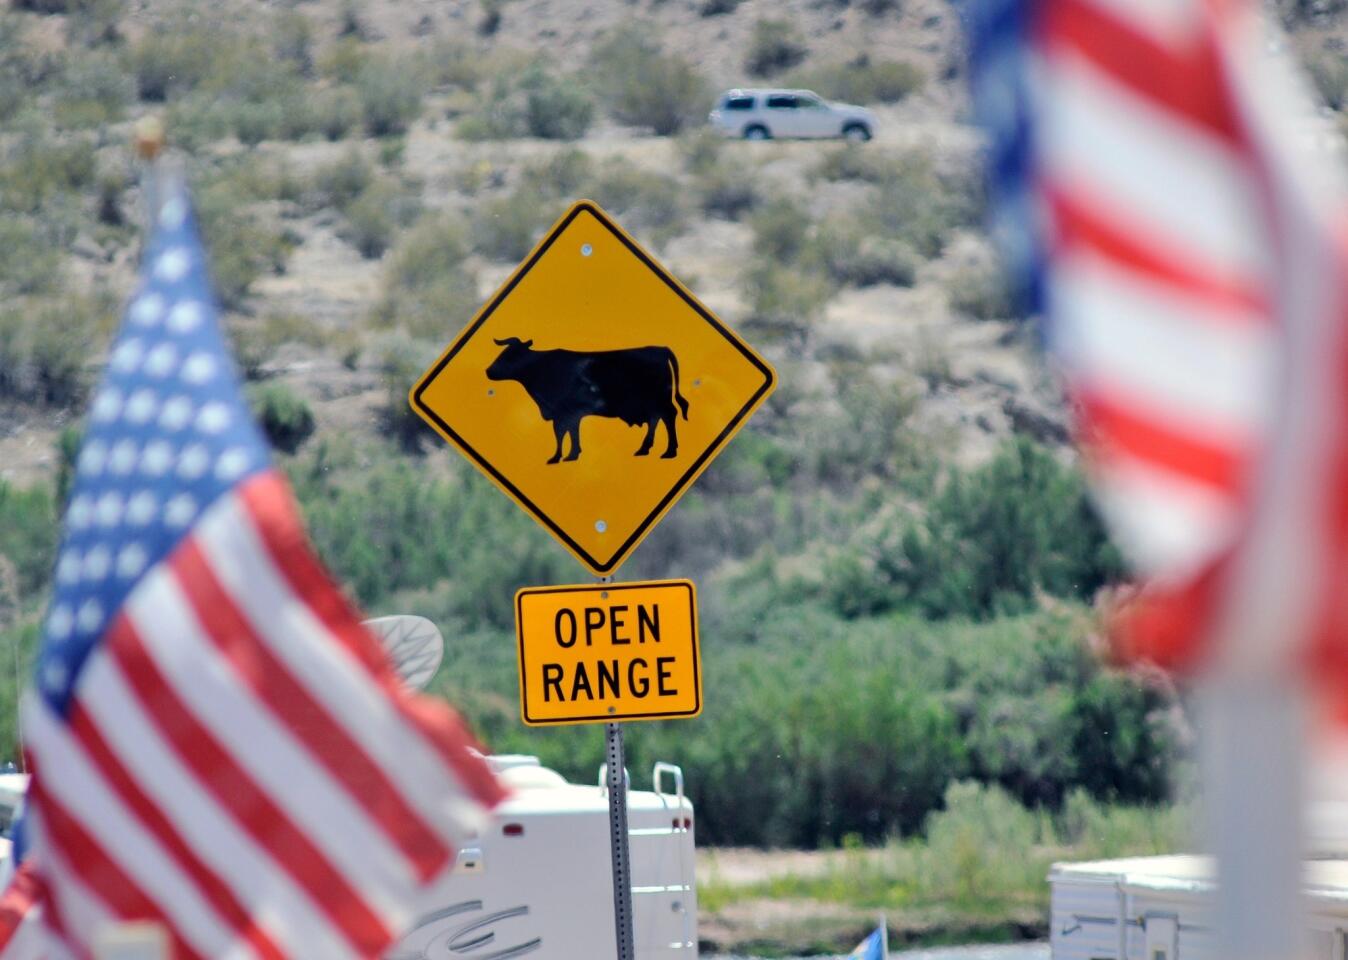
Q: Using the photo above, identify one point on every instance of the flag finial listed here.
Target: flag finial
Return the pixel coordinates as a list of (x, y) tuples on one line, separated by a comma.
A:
[(149, 138)]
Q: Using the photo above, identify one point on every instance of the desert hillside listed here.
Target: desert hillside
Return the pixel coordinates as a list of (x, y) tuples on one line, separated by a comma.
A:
[(897, 561)]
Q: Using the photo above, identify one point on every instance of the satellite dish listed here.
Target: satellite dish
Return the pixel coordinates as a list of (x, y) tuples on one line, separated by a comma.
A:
[(413, 644)]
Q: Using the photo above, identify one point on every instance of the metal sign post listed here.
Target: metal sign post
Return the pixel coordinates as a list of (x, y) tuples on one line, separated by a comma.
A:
[(617, 825)]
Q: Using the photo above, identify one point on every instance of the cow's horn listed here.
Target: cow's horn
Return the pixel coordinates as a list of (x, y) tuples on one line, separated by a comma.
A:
[(508, 341)]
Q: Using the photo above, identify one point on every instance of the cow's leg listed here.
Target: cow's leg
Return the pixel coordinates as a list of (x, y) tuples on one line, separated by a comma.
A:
[(650, 438), (668, 418), (559, 430), (574, 430)]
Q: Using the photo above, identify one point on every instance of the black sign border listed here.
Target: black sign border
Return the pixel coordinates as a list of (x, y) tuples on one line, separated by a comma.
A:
[(620, 554), (610, 588)]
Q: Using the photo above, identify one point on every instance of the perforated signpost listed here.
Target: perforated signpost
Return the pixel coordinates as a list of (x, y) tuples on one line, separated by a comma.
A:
[(593, 388)]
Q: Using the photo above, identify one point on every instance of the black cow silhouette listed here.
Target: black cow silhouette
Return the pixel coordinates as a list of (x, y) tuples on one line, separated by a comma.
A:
[(638, 386)]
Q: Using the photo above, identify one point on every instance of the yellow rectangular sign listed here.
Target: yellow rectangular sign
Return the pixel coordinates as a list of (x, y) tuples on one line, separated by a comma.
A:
[(608, 652)]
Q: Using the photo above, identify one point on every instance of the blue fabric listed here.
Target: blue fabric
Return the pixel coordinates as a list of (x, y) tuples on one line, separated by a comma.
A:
[(168, 432), (872, 948)]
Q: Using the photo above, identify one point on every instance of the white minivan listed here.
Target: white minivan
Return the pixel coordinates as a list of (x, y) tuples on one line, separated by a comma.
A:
[(765, 114)]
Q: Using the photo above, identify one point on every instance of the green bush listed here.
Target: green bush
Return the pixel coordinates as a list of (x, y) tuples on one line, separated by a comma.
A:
[(28, 536), (982, 844), (285, 418), (506, 228), (93, 90), (727, 191), (292, 40), (716, 8), (30, 263), (646, 87), (776, 46), (649, 203), (241, 247), (44, 349), (555, 108), (401, 361), (336, 111), (784, 301), (374, 217), (36, 170), (980, 291), (174, 62), (852, 259), (862, 80), (992, 540), (339, 183), (428, 291), (390, 96), (781, 229)]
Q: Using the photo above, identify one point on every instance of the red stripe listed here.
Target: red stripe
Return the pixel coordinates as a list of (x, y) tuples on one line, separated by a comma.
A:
[(1181, 81), (271, 681), (1109, 426), (1079, 222), (100, 872), (20, 898), (54, 919), (275, 518), (234, 789), (1168, 627), (211, 886)]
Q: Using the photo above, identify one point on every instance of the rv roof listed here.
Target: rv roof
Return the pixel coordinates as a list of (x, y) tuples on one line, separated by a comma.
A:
[(1325, 879)]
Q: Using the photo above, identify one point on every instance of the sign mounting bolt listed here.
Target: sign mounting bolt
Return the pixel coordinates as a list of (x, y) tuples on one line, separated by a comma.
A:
[(600, 525), (586, 250)]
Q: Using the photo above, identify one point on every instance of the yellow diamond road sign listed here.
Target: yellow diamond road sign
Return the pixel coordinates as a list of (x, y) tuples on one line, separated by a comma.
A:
[(593, 388)]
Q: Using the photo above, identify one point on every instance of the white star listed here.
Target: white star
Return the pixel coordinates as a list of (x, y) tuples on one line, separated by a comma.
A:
[(213, 418), (185, 317), (199, 368), (173, 213), (54, 676), (131, 560), (172, 264), (96, 563), (141, 509), (90, 615), (142, 405), (193, 462), (156, 460), (68, 567), (232, 464), (107, 405), (110, 509), (80, 512), (92, 457), (161, 361), (179, 511), (177, 413), (147, 311), (60, 621), (127, 356), (123, 459)]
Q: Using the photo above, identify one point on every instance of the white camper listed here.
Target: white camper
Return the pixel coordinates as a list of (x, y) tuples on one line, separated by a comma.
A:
[(1158, 908), (539, 882)]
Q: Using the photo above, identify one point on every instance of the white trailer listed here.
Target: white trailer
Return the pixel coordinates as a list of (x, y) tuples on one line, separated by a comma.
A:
[(539, 883), (1159, 908)]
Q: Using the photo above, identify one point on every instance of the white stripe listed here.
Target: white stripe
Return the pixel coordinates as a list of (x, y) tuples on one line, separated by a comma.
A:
[(72, 780), (83, 914), (1208, 371), (266, 750), (1166, 527), (263, 888), (245, 569), (1165, 175)]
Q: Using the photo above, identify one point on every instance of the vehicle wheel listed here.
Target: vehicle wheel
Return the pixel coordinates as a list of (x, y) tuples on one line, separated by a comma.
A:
[(857, 132), (757, 132)]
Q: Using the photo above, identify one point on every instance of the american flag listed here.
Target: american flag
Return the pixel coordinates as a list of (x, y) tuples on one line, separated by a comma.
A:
[(1158, 199), (217, 744)]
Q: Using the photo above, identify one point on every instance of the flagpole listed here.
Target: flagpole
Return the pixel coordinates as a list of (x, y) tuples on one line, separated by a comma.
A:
[(1253, 757), (884, 935)]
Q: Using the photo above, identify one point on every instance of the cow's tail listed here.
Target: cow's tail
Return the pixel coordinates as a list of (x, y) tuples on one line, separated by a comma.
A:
[(678, 397)]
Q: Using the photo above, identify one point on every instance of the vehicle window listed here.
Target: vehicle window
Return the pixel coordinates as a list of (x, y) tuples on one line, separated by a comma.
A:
[(809, 103), (781, 102), (738, 103)]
